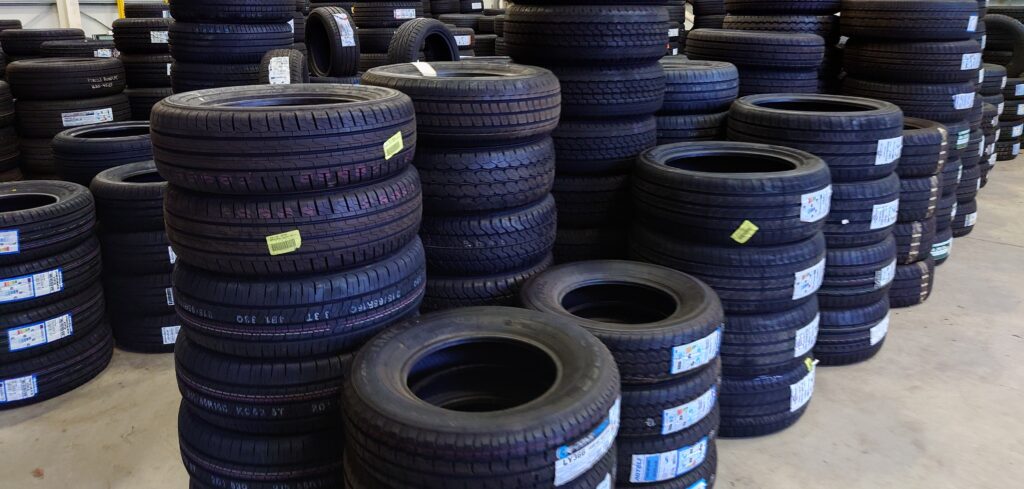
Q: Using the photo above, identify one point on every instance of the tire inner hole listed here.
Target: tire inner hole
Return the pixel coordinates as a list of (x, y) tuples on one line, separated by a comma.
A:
[(147, 177), (731, 163), (124, 132), (11, 203), (619, 303)]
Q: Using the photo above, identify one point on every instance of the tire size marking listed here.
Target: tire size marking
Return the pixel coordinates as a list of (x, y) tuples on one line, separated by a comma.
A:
[(686, 415), (815, 206), (86, 117), (9, 242), (572, 461), (807, 282), (879, 331), (698, 353), (48, 331), (800, 392), (169, 334), (889, 150), (884, 215), (885, 276), (17, 389), (668, 465), (806, 337), (348, 35), (280, 71), (31, 286)]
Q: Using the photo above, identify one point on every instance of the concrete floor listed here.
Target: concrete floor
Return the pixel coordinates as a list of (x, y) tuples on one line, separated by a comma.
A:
[(939, 408)]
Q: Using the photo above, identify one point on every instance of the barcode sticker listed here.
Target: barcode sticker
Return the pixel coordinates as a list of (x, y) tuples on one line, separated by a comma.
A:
[(815, 205), (686, 415), (393, 145), (808, 281), (169, 334), (280, 244), (462, 40), (172, 255), (962, 138), (103, 53), (348, 35), (806, 337), (169, 295), (9, 244), (889, 150), (280, 71), (18, 389), (698, 353), (659, 467), (972, 23), (291, 25), (885, 276), (971, 61), (880, 330), (158, 37), (476, 5), (963, 101), (86, 117), (405, 13), (800, 393), (884, 215), (31, 286), (41, 333), (1019, 90)]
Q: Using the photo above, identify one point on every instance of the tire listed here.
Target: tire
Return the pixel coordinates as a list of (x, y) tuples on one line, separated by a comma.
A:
[(485, 44), (392, 13), (766, 344), (37, 158), (783, 7), (248, 159), (134, 296), (913, 284), (137, 252), (35, 332), (852, 335), (935, 20), (500, 289), (918, 198), (926, 101), (951, 174), (47, 118), (485, 25), (916, 62), (708, 22), (1011, 29), (747, 279), (28, 42), (368, 61), (561, 416), (964, 219), (926, 146), (969, 185), (858, 276), (756, 49), (646, 315), (592, 201), (602, 147), (464, 20), (227, 43), (147, 71), (461, 181), (825, 26), (699, 87), (43, 219), (1005, 150), (862, 213), (83, 152), (757, 81), (914, 240), (1014, 86), (298, 24), (322, 314), (586, 34), (190, 77), (471, 6), (943, 246), (606, 242), (142, 36), (332, 42), (65, 78), (130, 197), (994, 80), (422, 39), (142, 100), (465, 38), (679, 189), (345, 80), (82, 48), (521, 102), (859, 139), (233, 11), (146, 10), (762, 405), (7, 117), (375, 40), (53, 278), (284, 67), (646, 407), (640, 459)]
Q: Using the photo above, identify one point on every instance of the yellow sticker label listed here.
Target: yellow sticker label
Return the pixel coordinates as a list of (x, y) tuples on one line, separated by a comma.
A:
[(280, 244), (393, 145), (809, 363), (746, 231)]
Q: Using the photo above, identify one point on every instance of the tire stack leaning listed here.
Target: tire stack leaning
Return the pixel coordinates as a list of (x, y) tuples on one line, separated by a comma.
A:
[(296, 242), (746, 219), (489, 217), (611, 88), (10, 154), (145, 52), (768, 62), (664, 329), (697, 99), (1008, 145), (861, 140), (55, 334), (219, 43)]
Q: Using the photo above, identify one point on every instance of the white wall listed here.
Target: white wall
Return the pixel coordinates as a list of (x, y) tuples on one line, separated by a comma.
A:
[(42, 14)]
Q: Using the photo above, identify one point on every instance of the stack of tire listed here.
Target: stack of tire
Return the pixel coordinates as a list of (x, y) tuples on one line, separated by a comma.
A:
[(697, 99), (611, 88), (485, 37), (487, 397), (382, 17), (746, 219), (56, 94), (220, 43), (861, 140), (10, 155), (795, 16), (55, 336), (708, 14), (994, 81), (1005, 35), (18, 44), (145, 52), (489, 217), (298, 24), (1008, 143), (664, 329), (295, 243), (439, 7), (137, 258), (768, 62), (146, 10), (80, 48)]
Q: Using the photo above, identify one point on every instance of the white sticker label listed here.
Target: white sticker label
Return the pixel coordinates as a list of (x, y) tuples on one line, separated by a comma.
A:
[(673, 32), (606, 483), (1004, 81), (167, 14), (170, 334), (348, 34), (808, 281), (169, 69), (981, 75), (941, 250), (952, 212), (972, 23), (962, 138), (696, 354), (884, 215), (158, 37), (571, 461), (425, 69), (280, 71), (169, 295), (1019, 90), (103, 53), (18, 389), (842, 42), (669, 465), (405, 13), (800, 392), (172, 255), (889, 150), (84, 118), (806, 337), (462, 40), (970, 220), (962, 101), (675, 51), (1020, 109), (681, 417), (31, 286), (971, 61), (880, 330), (1016, 149), (992, 160), (984, 41), (37, 334), (291, 25), (476, 5), (9, 244), (885, 276), (816, 205), (1017, 130)]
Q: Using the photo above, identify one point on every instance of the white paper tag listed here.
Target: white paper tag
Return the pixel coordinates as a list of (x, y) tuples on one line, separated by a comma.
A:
[(815, 206), (170, 334), (606, 483), (981, 150), (981, 75), (983, 41), (941, 250), (280, 71), (668, 465), (998, 133), (1004, 82), (425, 69), (992, 159), (1017, 130), (962, 101), (348, 34), (37, 334), (571, 461), (972, 23), (971, 61), (808, 281), (169, 69), (673, 32), (675, 51), (1016, 149), (952, 211), (166, 14), (31, 286), (476, 5), (158, 37), (693, 355), (103, 53), (9, 244), (889, 150), (842, 42), (1019, 90), (171, 255), (806, 337), (962, 138), (291, 25), (800, 392), (86, 117), (885, 276), (884, 215), (684, 416), (1020, 109), (18, 389), (462, 40), (405, 13), (169, 295), (880, 330), (970, 220)]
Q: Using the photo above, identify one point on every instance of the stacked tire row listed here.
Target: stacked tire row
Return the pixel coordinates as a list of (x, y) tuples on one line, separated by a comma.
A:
[(145, 52), (611, 87), (490, 219), (994, 82), (19, 44), (79, 48), (381, 18), (10, 154), (55, 334), (708, 14), (664, 329), (296, 242), (697, 99), (220, 43), (746, 219), (1009, 140), (1005, 38), (332, 45), (149, 9)]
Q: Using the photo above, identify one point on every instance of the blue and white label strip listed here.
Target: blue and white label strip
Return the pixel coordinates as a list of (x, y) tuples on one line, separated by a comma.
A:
[(169, 334), (18, 389), (48, 331), (571, 461), (9, 244), (800, 392), (684, 416), (659, 467), (31, 286), (701, 352)]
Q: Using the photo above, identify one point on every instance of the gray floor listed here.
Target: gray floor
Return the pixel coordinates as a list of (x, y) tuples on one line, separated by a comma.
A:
[(939, 408)]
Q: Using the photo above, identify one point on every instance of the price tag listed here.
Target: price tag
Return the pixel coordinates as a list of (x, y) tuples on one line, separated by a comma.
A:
[(889, 150), (963, 101), (884, 215), (971, 61), (280, 244), (9, 243), (158, 37), (806, 337), (405, 13), (393, 145), (280, 71), (348, 34)]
